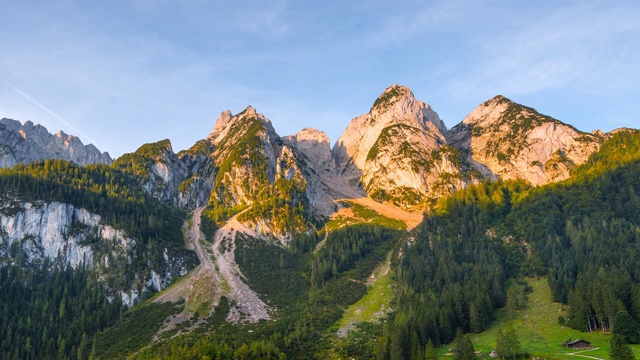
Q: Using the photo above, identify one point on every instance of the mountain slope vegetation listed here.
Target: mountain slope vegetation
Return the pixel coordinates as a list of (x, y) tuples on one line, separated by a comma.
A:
[(311, 236)]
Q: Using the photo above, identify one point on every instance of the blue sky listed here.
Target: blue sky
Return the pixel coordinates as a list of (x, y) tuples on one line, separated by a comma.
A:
[(123, 73)]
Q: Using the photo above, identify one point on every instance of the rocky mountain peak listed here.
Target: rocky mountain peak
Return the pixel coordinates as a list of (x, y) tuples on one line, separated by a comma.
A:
[(227, 121), (504, 139), (394, 152), (397, 104), (28, 142), (314, 145)]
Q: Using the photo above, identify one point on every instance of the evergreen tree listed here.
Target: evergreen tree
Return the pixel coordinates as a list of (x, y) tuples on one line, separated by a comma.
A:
[(501, 345), (511, 341), (619, 349), (624, 325), (430, 352), (463, 347)]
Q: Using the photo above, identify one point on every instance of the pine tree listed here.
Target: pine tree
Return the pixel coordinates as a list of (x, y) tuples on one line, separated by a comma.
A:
[(430, 351), (463, 347), (501, 345), (619, 349), (624, 325), (511, 340)]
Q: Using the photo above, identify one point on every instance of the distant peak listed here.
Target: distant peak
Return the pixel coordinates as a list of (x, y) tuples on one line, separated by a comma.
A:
[(397, 88), (227, 120), (310, 134), (390, 96), (498, 99), (250, 111)]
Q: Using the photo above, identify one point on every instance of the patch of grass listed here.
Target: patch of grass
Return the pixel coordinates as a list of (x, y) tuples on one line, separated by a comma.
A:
[(374, 304), (363, 215), (538, 330)]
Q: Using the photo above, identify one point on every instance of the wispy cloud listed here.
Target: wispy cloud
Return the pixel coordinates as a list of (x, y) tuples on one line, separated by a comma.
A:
[(575, 46)]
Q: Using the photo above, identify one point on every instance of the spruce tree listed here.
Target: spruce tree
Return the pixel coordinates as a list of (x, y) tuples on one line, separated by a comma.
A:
[(430, 352), (463, 347), (619, 349), (512, 342), (501, 345), (626, 326)]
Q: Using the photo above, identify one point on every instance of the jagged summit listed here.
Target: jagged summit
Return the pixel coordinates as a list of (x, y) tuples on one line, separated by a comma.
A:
[(392, 152), (28, 142), (504, 139), (226, 122), (399, 102)]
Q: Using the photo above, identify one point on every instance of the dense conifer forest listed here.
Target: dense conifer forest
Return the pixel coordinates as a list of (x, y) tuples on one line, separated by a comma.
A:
[(470, 257)]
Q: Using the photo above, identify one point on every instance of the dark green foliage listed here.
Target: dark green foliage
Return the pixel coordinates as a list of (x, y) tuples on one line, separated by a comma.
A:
[(139, 163), (454, 274), (273, 272), (134, 330), (304, 242), (463, 347), (619, 349), (626, 326), (364, 245), (51, 313), (208, 223)]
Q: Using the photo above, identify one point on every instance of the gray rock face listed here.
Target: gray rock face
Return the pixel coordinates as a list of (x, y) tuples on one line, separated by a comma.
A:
[(25, 143), (313, 151), (74, 236), (506, 140)]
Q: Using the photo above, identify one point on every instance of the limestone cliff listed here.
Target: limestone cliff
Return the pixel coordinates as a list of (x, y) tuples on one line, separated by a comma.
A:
[(68, 235), (397, 152), (503, 139)]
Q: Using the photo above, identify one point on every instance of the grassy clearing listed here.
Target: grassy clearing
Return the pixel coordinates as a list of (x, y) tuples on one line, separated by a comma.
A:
[(375, 303), (359, 214), (538, 330)]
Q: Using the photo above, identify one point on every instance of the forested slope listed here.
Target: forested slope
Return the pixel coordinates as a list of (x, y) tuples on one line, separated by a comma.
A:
[(584, 234)]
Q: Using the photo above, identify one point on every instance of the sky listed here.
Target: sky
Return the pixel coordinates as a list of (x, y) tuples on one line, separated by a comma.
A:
[(119, 74)]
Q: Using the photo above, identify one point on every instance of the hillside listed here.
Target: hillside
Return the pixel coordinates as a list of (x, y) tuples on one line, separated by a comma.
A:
[(250, 244), (538, 330)]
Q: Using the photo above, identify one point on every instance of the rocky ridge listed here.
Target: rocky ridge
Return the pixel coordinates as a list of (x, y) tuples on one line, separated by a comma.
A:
[(503, 139), (399, 153), (25, 143)]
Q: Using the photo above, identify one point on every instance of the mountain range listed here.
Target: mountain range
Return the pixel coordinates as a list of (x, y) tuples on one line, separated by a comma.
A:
[(157, 227)]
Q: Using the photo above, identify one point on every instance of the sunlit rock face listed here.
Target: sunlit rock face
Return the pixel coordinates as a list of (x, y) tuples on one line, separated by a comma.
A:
[(397, 152), (503, 139)]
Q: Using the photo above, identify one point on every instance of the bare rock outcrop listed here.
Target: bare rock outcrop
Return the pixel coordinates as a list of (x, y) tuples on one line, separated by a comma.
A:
[(397, 152), (25, 143), (71, 236), (503, 139)]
